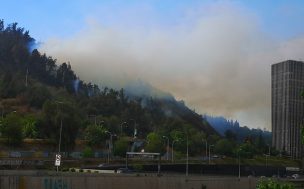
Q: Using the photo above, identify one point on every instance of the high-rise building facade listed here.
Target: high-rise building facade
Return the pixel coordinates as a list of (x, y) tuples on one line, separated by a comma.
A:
[(287, 106)]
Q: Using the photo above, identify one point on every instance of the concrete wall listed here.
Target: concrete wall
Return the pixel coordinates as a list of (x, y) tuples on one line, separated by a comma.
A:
[(40, 180)]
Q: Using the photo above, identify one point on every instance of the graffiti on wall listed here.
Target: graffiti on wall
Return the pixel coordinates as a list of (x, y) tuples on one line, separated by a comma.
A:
[(55, 183)]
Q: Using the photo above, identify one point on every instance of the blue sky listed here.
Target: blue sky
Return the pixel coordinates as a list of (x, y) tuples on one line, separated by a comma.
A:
[(59, 18), (214, 55)]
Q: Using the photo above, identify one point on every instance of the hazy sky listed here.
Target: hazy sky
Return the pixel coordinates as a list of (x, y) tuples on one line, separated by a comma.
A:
[(214, 55)]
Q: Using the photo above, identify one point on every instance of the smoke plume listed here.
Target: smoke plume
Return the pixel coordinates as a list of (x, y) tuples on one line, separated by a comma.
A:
[(217, 59)]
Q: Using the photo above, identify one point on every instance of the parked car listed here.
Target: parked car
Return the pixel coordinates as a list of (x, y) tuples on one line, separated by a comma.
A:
[(215, 156), (103, 165), (295, 176)]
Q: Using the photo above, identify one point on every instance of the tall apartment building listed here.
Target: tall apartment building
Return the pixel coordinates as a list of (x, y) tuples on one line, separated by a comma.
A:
[(287, 83)]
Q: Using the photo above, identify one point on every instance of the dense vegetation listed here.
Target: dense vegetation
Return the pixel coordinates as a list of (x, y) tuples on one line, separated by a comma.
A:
[(39, 95), (260, 139), (222, 125)]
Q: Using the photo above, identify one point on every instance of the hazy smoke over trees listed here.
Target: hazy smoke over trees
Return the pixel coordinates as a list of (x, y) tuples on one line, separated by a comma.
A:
[(217, 58)]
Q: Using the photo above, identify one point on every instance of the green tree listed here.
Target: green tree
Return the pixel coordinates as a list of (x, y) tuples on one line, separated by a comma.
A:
[(37, 95), (56, 114), (95, 134), (87, 152), (247, 150), (230, 135), (179, 137), (260, 144), (29, 127), (121, 147), (212, 139), (11, 129), (154, 143), (224, 147)]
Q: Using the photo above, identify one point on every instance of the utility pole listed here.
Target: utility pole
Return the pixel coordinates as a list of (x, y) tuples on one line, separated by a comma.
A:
[(135, 129), (110, 145), (239, 165), (187, 163), (60, 135), (60, 132), (209, 153), (167, 146)]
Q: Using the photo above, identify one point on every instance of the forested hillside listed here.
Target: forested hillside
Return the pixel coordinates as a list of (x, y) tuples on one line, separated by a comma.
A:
[(38, 95), (222, 125)]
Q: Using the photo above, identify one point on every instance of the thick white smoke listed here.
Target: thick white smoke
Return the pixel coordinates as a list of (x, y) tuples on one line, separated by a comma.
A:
[(218, 62)]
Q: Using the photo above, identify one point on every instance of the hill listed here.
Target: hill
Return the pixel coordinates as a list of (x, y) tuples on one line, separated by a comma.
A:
[(222, 125), (40, 97)]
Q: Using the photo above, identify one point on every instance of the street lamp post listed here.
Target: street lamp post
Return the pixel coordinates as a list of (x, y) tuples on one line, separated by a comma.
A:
[(60, 132), (60, 135), (135, 129), (173, 149), (267, 155), (167, 150), (187, 162), (239, 162), (110, 145), (209, 152)]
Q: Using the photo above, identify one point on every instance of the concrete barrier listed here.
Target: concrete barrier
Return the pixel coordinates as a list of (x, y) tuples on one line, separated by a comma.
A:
[(53, 180)]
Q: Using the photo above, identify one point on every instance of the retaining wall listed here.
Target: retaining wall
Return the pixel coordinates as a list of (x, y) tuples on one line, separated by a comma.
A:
[(51, 180)]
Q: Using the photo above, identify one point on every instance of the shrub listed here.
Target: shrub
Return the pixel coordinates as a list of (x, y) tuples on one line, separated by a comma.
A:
[(272, 184), (87, 152)]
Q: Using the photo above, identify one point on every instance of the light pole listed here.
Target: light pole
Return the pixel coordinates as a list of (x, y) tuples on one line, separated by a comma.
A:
[(60, 132), (121, 127), (266, 155), (110, 145), (187, 162), (60, 135), (173, 149), (239, 162), (135, 129), (209, 152), (167, 150)]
